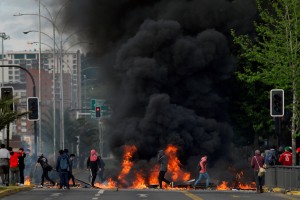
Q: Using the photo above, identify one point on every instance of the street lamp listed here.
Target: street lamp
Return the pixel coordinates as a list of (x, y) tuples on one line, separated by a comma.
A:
[(3, 37), (52, 20)]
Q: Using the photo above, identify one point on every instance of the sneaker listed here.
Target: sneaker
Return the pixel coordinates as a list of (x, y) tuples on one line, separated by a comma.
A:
[(171, 184), (21, 184), (40, 186)]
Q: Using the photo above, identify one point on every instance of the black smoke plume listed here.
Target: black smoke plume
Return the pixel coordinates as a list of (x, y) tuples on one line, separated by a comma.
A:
[(168, 64)]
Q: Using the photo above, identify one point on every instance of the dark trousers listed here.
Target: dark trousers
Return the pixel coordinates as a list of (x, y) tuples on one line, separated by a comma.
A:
[(21, 171), (94, 175), (259, 180), (45, 176), (161, 178), (64, 179)]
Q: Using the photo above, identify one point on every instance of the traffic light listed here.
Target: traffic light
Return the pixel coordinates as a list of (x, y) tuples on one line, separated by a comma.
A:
[(33, 108), (98, 111), (277, 102), (7, 93)]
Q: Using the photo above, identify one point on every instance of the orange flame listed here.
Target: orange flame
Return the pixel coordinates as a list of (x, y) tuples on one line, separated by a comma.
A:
[(153, 178), (139, 182), (127, 163), (223, 186), (27, 180), (174, 165), (108, 184)]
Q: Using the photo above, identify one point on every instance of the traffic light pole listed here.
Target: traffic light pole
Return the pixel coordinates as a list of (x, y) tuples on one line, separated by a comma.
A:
[(33, 94)]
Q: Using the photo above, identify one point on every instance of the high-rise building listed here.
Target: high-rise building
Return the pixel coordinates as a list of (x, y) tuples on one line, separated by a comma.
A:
[(50, 67)]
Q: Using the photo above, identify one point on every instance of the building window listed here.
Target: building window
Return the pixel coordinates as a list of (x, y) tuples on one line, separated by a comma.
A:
[(28, 62), (10, 62), (31, 56), (19, 56), (17, 62)]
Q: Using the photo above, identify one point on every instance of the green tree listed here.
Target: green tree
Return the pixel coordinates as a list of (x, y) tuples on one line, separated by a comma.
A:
[(8, 116), (272, 56)]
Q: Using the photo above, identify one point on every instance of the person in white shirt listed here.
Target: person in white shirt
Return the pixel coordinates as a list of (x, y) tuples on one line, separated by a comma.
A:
[(4, 164)]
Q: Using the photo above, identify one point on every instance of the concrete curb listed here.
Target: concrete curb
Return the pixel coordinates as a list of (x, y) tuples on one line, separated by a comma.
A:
[(14, 189), (284, 191)]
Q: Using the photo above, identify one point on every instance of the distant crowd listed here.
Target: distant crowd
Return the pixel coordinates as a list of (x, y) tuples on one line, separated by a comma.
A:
[(14, 166)]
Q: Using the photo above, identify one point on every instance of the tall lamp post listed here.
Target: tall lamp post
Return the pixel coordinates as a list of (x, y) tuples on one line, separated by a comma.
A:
[(52, 20), (3, 37)]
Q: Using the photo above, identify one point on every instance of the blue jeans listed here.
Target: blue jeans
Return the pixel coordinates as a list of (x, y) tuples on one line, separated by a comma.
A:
[(202, 175)]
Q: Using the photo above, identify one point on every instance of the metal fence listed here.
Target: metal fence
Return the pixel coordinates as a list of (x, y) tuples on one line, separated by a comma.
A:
[(286, 177)]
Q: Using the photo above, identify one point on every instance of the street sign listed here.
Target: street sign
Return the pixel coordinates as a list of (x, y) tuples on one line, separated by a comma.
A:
[(103, 104)]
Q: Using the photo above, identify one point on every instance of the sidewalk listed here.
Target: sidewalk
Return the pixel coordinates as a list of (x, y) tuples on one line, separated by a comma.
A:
[(284, 191), (7, 190)]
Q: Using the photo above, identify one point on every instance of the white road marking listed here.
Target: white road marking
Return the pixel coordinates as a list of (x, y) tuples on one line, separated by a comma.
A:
[(101, 191), (142, 195), (55, 194)]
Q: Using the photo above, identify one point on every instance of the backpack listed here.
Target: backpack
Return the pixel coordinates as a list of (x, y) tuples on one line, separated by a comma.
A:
[(63, 163), (45, 165), (270, 158)]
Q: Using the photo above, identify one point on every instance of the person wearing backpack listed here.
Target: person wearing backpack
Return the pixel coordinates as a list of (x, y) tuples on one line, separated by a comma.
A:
[(63, 167), (93, 164)]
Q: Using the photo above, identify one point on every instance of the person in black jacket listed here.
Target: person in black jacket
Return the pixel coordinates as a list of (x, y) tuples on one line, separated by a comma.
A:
[(43, 161), (21, 165), (93, 164)]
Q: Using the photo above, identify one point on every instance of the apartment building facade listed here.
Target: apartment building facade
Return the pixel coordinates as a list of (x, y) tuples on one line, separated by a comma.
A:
[(50, 84)]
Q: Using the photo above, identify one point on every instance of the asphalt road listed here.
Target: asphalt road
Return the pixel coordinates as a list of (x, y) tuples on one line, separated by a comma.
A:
[(145, 194)]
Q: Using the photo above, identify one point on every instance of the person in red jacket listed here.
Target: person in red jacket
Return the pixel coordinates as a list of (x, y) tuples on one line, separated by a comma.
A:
[(286, 158), (14, 166)]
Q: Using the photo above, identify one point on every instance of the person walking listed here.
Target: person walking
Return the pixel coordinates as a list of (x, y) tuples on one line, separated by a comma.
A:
[(286, 158), (4, 164), (93, 164), (163, 162), (21, 160), (43, 161), (258, 161), (63, 167), (202, 172), (14, 166)]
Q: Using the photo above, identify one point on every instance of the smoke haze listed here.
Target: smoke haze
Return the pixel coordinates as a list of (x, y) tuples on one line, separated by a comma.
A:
[(168, 64)]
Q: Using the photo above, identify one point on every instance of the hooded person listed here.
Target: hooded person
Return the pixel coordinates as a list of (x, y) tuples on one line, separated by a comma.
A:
[(202, 172), (93, 164)]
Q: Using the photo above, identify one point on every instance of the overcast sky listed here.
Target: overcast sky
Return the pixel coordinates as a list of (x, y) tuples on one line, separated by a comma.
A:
[(14, 26)]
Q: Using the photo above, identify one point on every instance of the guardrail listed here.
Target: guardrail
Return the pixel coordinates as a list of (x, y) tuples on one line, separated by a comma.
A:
[(286, 177)]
